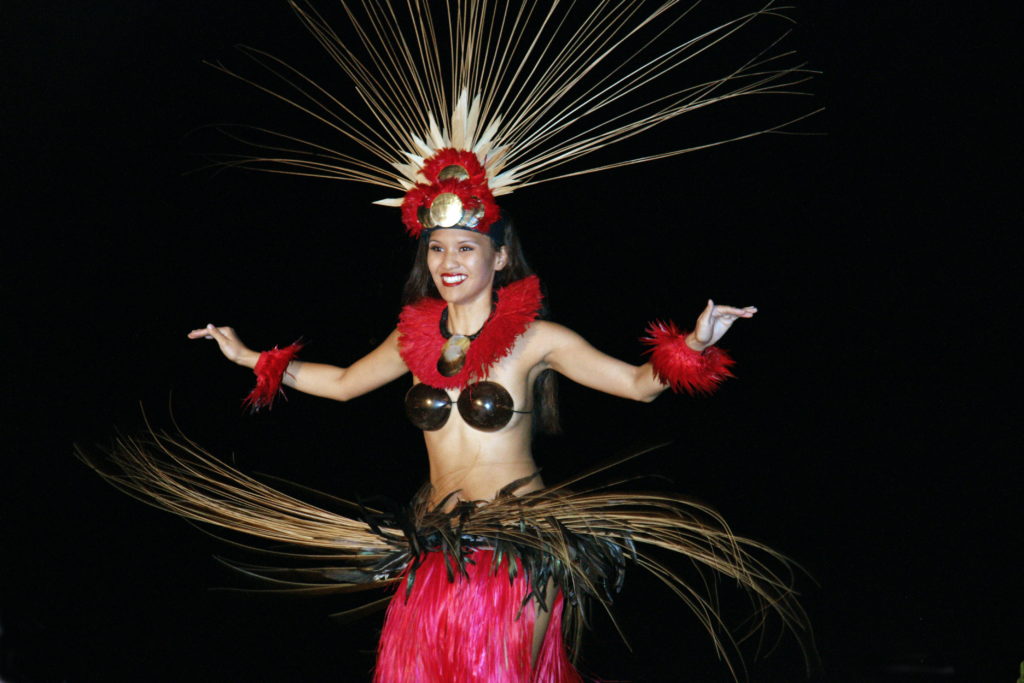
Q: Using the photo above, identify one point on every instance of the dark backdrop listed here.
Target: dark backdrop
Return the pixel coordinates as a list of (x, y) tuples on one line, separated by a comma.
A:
[(863, 437)]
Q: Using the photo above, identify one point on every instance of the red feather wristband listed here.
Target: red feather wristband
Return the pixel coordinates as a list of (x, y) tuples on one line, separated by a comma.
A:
[(679, 366), (269, 371)]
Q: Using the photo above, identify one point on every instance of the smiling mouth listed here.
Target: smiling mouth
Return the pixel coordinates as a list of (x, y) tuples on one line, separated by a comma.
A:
[(453, 279)]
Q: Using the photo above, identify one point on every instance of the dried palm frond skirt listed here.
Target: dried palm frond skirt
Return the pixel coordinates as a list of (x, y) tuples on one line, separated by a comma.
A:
[(470, 579)]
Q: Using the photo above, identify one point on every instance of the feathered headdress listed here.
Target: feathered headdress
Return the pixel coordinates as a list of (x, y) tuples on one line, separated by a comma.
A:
[(488, 96)]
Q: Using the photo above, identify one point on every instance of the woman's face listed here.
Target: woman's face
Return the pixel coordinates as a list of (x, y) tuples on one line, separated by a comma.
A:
[(462, 263)]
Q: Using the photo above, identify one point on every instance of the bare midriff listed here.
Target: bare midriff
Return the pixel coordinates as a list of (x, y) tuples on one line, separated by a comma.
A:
[(479, 464)]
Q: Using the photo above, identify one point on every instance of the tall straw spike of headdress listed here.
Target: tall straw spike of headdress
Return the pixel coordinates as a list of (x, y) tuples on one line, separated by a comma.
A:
[(510, 91)]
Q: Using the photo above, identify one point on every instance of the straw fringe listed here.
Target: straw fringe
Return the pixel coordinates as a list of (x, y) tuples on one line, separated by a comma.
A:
[(581, 539), (174, 474)]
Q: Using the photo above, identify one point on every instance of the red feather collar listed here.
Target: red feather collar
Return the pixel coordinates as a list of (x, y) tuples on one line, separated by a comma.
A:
[(420, 340)]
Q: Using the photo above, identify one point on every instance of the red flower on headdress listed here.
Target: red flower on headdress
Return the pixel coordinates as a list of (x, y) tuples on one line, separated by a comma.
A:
[(433, 166)]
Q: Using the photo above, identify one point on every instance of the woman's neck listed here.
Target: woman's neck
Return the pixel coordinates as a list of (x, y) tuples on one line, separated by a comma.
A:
[(468, 318)]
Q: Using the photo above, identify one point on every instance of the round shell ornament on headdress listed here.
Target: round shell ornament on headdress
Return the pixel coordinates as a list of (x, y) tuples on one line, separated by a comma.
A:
[(455, 194)]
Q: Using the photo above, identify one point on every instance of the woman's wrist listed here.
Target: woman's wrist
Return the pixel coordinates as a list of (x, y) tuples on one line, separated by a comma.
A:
[(684, 363), (269, 368), (694, 345), (248, 358)]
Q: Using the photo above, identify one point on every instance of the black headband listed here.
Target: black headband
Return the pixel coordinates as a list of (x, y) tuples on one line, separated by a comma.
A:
[(496, 231)]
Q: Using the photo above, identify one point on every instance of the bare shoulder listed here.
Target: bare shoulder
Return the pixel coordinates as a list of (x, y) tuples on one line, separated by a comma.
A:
[(549, 333), (546, 338), (392, 339), (388, 351)]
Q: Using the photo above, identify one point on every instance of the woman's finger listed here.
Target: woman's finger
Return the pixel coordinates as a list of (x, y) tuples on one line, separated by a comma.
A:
[(222, 335), (745, 312)]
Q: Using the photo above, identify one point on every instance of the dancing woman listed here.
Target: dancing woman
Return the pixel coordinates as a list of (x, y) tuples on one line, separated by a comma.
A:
[(492, 568), (480, 293)]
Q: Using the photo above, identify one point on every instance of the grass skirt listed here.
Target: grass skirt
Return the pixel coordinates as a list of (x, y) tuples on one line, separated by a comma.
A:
[(466, 575), (472, 626)]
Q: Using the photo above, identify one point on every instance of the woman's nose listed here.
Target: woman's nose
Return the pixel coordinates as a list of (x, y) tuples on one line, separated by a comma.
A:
[(451, 257)]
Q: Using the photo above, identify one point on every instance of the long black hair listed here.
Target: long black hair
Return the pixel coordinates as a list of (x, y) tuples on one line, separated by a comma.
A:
[(420, 284)]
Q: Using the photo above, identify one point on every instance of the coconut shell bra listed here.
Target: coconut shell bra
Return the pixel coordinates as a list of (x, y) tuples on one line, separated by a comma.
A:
[(486, 406), (483, 405)]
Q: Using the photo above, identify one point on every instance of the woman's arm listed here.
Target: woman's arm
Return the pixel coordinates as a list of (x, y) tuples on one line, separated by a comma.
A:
[(377, 368), (571, 355)]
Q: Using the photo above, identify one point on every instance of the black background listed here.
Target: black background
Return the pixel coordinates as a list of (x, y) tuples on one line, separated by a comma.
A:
[(868, 435)]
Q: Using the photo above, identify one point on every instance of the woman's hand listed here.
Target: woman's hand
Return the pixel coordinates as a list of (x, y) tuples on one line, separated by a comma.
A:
[(230, 345), (714, 322)]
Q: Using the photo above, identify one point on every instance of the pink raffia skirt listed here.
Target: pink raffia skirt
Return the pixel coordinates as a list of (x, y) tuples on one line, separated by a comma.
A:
[(476, 628)]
